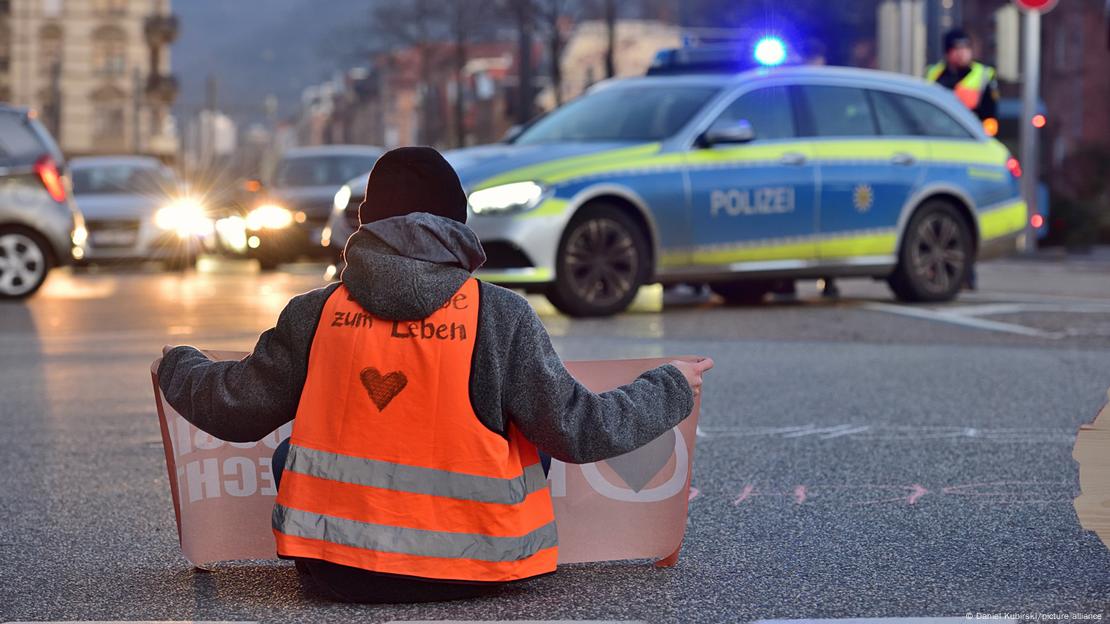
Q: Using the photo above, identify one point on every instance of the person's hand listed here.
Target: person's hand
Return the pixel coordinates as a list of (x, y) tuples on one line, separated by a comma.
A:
[(692, 371)]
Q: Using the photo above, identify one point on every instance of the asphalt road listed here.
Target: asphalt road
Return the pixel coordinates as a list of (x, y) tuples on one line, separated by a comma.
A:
[(860, 459)]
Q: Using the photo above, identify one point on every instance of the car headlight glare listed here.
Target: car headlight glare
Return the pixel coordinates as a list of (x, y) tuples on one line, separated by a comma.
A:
[(187, 217), (506, 198), (269, 217), (342, 198)]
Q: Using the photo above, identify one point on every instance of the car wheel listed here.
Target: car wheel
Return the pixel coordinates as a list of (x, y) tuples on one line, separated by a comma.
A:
[(601, 263), (935, 257), (24, 263), (742, 292)]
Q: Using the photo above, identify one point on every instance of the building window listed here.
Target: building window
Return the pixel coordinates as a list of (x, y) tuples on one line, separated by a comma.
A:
[(109, 54), (110, 7), (109, 115), (108, 123), (50, 44)]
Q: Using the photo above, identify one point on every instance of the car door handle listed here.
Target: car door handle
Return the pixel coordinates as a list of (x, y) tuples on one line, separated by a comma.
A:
[(902, 158), (793, 158)]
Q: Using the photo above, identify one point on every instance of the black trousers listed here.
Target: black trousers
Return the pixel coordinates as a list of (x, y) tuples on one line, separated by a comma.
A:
[(334, 581)]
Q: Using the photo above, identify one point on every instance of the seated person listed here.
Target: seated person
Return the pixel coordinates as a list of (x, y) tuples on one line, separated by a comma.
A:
[(420, 400)]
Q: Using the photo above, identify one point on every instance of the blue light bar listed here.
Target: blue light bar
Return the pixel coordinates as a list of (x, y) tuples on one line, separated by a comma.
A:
[(770, 51)]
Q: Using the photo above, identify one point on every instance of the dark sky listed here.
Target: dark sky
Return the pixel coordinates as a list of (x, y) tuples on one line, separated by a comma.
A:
[(254, 48)]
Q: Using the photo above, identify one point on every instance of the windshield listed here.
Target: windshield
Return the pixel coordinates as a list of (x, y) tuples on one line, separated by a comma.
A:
[(107, 179), (321, 170), (619, 113)]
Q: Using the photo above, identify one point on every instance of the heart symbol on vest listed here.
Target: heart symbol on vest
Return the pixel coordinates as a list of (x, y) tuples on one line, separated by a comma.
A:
[(639, 467), (382, 388)]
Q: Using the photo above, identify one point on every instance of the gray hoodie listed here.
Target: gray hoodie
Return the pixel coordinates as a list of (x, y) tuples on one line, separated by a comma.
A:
[(405, 268)]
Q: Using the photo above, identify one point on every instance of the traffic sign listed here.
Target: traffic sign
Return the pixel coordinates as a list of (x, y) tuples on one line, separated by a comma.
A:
[(1044, 6)]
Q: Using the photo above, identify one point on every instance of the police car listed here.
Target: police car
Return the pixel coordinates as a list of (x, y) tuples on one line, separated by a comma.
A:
[(739, 181)]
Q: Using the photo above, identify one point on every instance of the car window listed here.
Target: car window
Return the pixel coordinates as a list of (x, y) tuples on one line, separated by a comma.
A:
[(890, 116), (767, 110), (621, 113), (320, 170), (354, 166), (839, 111), (18, 140), (931, 120), (123, 179)]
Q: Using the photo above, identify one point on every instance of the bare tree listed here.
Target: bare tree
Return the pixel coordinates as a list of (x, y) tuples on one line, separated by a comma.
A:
[(610, 15), (550, 14), (418, 24), (467, 19), (523, 14)]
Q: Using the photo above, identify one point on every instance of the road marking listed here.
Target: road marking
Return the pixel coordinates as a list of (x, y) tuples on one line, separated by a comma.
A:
[(1031, 297), (955, 318), (831, 432), (907, 620), (993, 309), (897, 432), (857, 494)]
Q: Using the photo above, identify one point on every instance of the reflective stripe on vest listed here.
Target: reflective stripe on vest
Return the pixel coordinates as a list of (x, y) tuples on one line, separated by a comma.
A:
[(392, 539), (415, 479), (390, 469), (970, 88)]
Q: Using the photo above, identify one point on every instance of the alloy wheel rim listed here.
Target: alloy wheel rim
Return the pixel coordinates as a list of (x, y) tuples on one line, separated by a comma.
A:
[(937, 255), (601, 262), (22, 264)]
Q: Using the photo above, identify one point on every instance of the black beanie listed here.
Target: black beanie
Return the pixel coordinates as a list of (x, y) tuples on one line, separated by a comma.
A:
[(412, 179), (956, 37)]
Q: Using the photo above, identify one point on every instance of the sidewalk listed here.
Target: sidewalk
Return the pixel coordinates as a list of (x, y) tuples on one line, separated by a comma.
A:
[(1097, 257)]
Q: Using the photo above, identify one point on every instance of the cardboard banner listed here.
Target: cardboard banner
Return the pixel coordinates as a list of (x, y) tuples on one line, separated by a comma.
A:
[(1092, 451), (629, 507)]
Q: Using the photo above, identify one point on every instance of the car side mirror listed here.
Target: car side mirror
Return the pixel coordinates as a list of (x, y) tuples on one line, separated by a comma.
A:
[(740, 131)]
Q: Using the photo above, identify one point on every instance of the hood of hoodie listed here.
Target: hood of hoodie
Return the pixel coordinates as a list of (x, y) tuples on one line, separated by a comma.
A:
[(405, 268)]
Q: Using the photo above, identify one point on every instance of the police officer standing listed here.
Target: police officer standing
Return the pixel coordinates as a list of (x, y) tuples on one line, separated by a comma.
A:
[(974, 83)]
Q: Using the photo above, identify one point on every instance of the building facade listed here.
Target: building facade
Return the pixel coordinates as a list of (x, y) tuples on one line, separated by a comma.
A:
[(97, 71)]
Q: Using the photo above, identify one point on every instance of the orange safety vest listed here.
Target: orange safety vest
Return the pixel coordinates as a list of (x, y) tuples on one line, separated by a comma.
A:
[(970, 89), (389, 468)]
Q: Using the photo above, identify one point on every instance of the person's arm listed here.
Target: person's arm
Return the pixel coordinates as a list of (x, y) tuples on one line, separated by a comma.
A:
[(566, 420), (244, 401), (988, 104)]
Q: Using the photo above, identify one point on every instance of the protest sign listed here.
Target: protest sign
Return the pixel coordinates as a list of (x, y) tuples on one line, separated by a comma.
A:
[(628, 507), (1092, 451)]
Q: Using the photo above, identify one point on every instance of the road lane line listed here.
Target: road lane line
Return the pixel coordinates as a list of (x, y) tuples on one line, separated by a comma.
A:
[(965, 321), (884, 621)]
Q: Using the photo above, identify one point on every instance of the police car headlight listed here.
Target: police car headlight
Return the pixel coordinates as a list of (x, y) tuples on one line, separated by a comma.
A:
[(505, 198), (342, 198)]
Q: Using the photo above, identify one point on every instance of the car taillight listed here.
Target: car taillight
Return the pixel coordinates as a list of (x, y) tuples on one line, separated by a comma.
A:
[(1014, 166), (47, 171)]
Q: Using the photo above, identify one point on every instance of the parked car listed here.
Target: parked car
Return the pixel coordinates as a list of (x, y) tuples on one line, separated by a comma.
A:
[(40, 226), (287, 222), (136, 209)]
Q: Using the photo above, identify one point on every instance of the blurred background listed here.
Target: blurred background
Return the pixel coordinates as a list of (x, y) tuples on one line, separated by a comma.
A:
[(220, 90)]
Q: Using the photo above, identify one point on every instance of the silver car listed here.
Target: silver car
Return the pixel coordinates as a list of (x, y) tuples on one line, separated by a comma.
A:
[(136, 209), (40, 227)]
